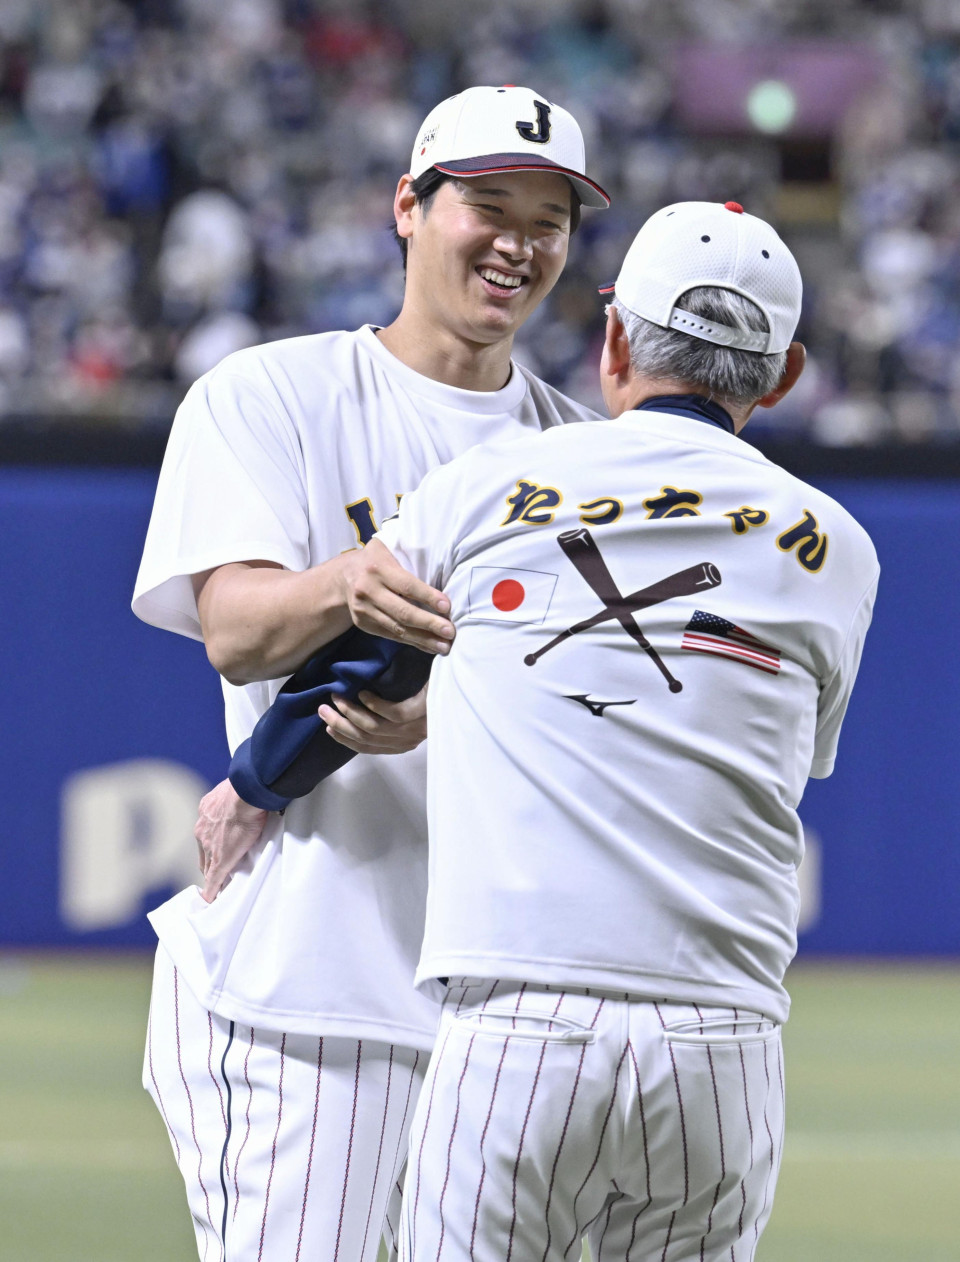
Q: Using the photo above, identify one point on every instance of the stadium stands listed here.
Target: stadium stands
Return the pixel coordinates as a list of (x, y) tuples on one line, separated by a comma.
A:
[(181, 179)]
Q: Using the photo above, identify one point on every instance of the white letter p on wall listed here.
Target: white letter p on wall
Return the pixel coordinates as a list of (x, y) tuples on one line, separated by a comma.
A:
[(126, 829)]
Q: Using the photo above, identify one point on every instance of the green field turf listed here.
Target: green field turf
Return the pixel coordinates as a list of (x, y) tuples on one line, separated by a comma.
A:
[(871, 1171)]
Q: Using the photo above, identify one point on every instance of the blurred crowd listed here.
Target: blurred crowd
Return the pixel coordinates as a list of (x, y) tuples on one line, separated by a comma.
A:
[(182, 178)]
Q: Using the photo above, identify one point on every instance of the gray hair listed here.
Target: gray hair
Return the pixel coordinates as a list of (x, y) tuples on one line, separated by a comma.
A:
[(731, 375)]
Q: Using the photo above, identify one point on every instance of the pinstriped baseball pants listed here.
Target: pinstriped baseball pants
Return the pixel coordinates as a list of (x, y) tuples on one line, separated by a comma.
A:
[(291, 1146), (654, 1129)]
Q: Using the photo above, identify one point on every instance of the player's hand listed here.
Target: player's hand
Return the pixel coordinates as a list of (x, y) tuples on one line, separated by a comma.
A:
[(385, 599), (376, 726), (225, 830)]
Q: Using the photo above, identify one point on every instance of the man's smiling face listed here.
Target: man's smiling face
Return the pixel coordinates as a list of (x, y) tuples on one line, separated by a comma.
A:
[(486, 251)]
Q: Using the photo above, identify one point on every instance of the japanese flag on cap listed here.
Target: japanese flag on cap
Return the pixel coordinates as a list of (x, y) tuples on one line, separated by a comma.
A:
[(694, 244), (488, 129)]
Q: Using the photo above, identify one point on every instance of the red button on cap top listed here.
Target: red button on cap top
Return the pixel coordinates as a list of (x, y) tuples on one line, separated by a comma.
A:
[(734, 206)]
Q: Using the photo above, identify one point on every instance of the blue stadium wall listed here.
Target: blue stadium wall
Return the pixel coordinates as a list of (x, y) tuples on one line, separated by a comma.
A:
[(111, 730)]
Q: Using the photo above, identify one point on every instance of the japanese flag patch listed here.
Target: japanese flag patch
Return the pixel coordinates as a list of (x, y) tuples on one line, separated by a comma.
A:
[(499, 595)]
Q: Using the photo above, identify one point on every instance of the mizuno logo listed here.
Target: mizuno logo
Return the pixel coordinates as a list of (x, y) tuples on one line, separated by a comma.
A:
[(596, 708)]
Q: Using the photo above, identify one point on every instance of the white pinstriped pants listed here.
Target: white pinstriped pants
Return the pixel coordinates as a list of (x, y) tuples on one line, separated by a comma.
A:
[(291, 1146), (655, 1129)]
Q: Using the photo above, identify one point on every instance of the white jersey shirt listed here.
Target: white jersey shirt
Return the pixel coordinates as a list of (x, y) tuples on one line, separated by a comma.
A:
[(613, 813), (293, 452)]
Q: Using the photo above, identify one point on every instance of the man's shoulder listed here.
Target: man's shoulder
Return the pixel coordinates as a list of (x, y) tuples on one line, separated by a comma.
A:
[(554, 407), (823, 513), (290, 367), (814, 495)]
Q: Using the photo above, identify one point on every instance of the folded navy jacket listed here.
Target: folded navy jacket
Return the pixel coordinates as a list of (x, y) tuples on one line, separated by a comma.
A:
[(290, 751)]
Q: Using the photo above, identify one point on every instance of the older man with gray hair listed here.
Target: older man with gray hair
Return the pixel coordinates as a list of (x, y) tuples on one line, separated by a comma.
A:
[(657, 635)]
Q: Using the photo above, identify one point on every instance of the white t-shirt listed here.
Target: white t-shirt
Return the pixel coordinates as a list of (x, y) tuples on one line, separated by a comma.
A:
[(590, 823), (292, 452)]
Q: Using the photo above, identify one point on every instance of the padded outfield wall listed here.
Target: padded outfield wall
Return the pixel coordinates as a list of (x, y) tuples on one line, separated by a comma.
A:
[(112, 730)]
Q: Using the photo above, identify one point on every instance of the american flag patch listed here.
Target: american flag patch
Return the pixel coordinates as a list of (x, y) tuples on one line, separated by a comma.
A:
[(709, 633)]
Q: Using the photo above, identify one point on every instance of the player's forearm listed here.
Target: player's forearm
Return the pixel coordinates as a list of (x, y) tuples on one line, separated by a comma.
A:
[(261, 623)]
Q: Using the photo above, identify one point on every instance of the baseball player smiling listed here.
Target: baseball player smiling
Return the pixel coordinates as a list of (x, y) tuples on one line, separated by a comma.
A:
[(657, 635), (287, 1043)]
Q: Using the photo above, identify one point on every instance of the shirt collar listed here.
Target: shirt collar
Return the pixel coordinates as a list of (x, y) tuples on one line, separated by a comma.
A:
[(692, 405)]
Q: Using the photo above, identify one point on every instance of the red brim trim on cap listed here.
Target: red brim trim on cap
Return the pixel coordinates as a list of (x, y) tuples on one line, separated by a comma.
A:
[(607, 289), (590, 193)]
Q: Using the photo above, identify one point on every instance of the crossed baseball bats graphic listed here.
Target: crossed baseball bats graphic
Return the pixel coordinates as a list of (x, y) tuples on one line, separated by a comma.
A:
[(581, 547)]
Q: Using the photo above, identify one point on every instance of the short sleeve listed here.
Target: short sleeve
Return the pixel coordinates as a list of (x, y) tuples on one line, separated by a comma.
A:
[(836, 689), (424, 531), (231, 489)]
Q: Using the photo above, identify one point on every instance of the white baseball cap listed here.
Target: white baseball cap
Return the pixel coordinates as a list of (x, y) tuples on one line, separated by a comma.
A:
[(691, 244), (504, 129)]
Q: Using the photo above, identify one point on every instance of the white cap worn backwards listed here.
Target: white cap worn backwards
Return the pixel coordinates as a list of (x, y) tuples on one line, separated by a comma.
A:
[(692, 244), (504, 129)]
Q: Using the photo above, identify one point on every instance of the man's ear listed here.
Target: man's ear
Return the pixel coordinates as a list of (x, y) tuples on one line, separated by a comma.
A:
[(616, 348), (796, 358), (404, 202)]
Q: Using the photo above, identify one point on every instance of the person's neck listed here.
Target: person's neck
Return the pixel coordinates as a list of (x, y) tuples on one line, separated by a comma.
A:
[(643, 388), (438, 353)]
